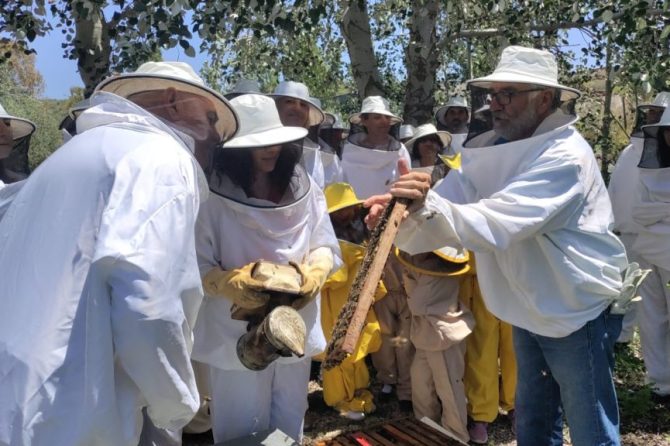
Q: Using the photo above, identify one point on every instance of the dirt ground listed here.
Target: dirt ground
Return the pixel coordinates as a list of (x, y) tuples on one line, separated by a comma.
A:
[(323, 423)]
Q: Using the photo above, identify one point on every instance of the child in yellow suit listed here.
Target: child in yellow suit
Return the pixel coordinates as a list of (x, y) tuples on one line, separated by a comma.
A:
[(345, 387)]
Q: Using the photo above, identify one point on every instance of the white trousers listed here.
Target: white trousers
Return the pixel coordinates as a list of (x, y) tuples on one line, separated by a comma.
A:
[(654, 319), (244, 402)]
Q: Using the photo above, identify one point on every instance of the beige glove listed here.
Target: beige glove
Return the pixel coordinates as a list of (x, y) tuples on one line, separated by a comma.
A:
[(236, 285), (314, 275)]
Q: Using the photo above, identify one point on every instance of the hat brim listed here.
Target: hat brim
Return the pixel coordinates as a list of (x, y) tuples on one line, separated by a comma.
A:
[(653, 129), (344, 205), (266, 138), (445, 137), (20, 127), (459, 266), (567, 93), (356, 117), (316, 115), (126, 85)]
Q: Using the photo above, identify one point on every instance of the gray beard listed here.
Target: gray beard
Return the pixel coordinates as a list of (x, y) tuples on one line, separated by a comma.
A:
[(521, 127)]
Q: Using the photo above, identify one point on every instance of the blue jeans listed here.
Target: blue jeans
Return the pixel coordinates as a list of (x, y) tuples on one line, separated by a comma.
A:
[(571, 375)]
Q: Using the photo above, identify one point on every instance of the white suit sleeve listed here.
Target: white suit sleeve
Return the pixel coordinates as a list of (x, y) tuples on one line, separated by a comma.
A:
[(323, 234), (7, 194), (544, 197), (146, 250)]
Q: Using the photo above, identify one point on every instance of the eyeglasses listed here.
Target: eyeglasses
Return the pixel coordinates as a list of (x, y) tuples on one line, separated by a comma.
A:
[(504, 97)]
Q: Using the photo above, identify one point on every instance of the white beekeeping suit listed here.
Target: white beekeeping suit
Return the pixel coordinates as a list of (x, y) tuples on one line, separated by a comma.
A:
[(236, 229), (623, 193), (652, 213), (95, 323)]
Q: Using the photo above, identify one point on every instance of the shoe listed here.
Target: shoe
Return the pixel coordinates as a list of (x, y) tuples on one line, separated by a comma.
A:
[(406, 406), (354, 415), (511, 415), (478, 431), (385, 394)]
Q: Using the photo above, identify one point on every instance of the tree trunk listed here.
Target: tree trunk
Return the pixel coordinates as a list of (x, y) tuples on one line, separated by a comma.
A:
[(355, 28), (93, 48), (422, 62), (606, 145)]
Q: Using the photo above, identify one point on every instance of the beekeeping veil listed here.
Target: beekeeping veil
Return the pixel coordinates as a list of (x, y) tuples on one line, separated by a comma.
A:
[(656, 152)]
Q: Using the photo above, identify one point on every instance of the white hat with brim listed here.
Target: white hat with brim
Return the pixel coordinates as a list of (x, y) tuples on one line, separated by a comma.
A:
[(662, 100), (244, 86), (454, 102), (374, 104), (20, 127), (152, 76), (298, 90), (652, 129), (406, 131), (523, 65), (427, 130), (260, 125)]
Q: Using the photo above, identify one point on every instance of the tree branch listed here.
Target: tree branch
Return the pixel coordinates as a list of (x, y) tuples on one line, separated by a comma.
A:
[(490, 32)]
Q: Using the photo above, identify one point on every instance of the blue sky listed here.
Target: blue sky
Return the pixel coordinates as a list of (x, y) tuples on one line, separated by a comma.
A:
[(61, 74)]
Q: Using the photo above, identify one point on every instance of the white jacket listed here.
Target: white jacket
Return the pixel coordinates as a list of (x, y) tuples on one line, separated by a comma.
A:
[(100, 286), (652, 213), (537, 214), (232, 232), (623, 187), (7, 194), (371, 172)]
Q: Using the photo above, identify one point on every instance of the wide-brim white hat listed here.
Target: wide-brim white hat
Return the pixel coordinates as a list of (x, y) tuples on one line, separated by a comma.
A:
[(244, 86), (375, 104), (298, 90), (454, 101), (406, 131), (260, 125), (427, 130), (662, 100), (652, 129), (180, 76), (519, 64), (334, 122), (21, 127)]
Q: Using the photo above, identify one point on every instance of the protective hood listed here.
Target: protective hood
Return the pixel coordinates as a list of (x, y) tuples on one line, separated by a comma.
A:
[(489, 166), (371, 171), (481, 132), (656, 153), (267, 217), (651, 212), (110, 109), (649, 114)]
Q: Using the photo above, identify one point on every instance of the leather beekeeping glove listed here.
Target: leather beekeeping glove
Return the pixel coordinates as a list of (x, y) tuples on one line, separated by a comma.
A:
[(236, 285), (632, 278), (314, 275)]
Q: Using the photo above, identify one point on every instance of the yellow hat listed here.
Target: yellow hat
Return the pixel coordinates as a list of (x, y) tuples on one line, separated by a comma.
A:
[(452, 262), (340, 196)]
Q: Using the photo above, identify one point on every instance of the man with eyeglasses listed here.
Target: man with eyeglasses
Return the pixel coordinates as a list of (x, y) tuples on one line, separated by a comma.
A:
[(529, 201)]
